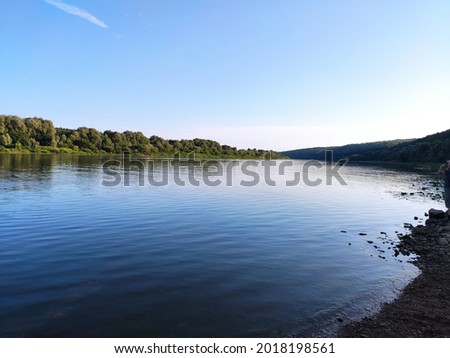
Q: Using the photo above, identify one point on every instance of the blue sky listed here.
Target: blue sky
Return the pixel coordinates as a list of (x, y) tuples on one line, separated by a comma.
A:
[(278, 75)]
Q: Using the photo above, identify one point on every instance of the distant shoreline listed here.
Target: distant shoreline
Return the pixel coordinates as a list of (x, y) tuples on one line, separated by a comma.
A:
[(37, 135), (66, 151)]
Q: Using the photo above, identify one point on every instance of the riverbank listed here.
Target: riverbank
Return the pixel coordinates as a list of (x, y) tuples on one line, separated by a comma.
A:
[(183, 155), (423, 307)]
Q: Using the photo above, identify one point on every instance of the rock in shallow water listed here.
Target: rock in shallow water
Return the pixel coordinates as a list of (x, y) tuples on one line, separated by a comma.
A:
[(436, 214)]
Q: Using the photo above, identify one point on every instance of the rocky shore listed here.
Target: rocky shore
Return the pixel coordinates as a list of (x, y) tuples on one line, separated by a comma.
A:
[(423, 307)]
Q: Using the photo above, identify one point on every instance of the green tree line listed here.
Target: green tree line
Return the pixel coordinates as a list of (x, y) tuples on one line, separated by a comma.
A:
[(431, 149), (40, 135)]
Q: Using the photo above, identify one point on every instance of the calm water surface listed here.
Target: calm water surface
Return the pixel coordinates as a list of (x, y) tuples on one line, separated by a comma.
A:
[(78, 259)]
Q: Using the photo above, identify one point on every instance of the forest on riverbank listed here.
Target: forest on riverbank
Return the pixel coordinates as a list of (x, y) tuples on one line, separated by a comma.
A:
[(433, 148), (37, 135)]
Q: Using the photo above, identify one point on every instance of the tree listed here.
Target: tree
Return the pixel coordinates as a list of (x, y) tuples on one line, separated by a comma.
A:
[(42, 131), (17, 130), (87, 138), (5, 140)]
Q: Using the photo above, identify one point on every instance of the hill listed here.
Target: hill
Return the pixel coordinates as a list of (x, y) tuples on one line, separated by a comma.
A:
[(432, 148)]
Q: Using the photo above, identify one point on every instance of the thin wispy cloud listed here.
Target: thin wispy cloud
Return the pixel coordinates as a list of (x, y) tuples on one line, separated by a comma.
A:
[(73, 10)]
